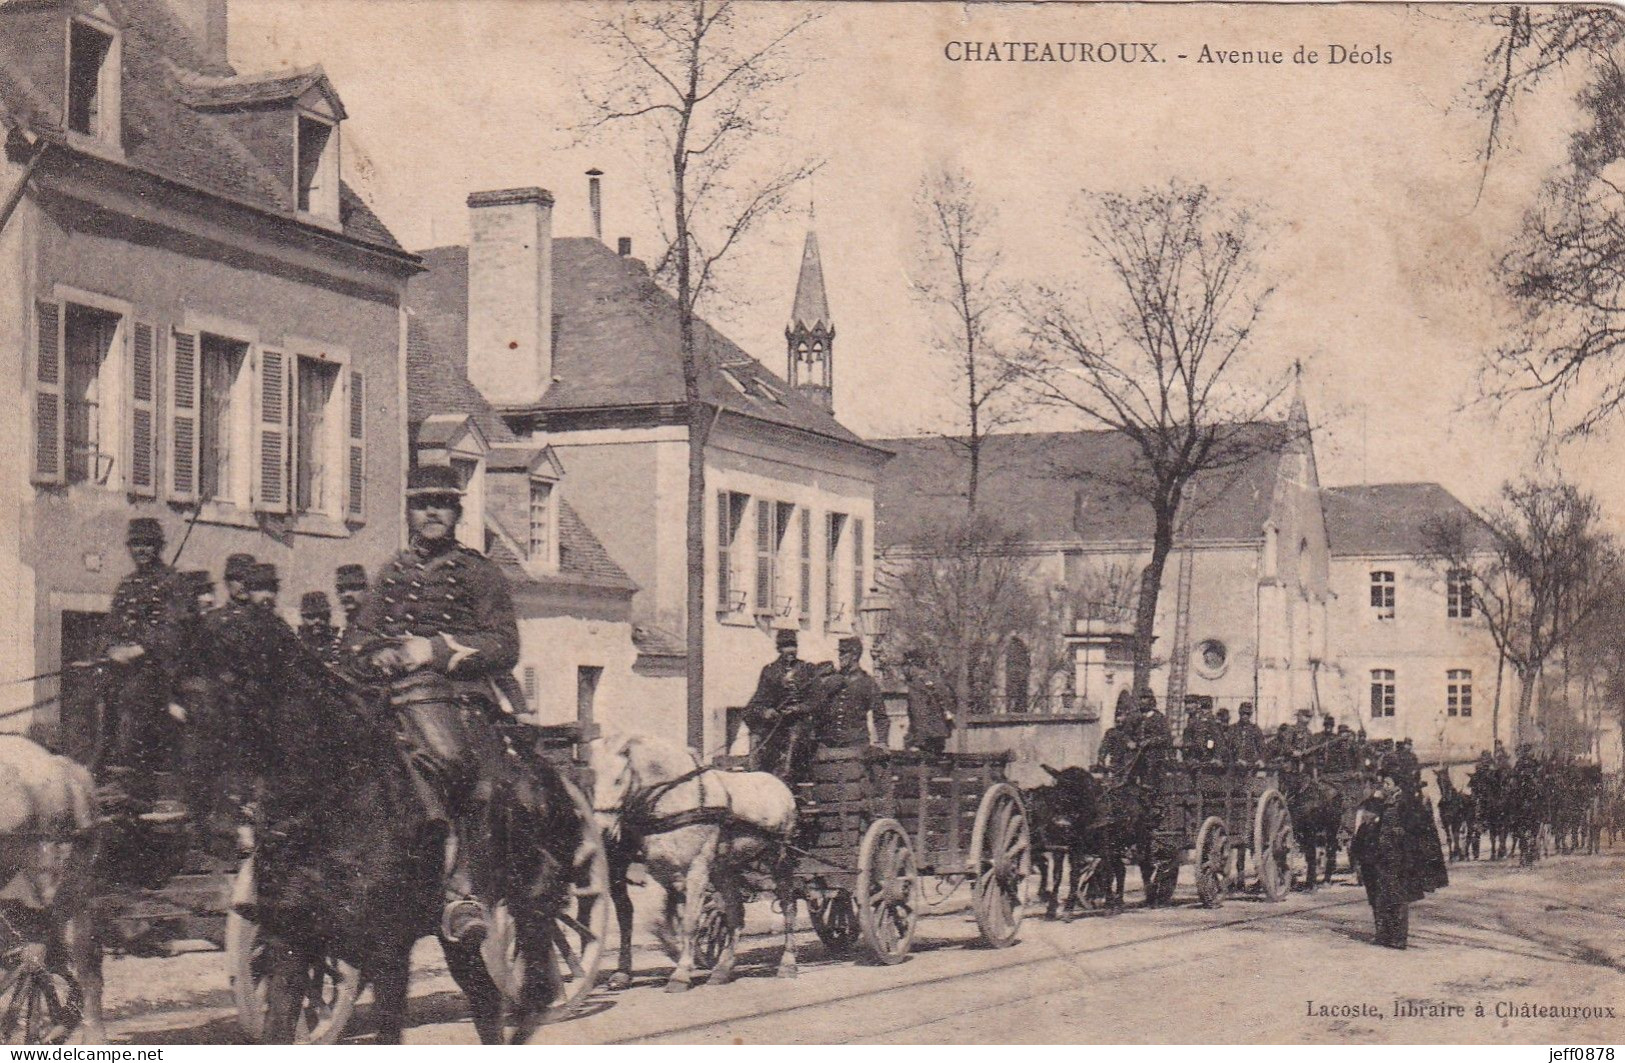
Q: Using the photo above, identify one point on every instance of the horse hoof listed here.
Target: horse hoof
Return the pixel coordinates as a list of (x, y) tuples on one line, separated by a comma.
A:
[(789, 970), (618, 981), (678, 987)]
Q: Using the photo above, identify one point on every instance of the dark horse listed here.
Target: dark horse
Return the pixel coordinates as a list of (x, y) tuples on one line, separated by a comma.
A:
[(1086, 830), (1490, 787), (1317, 816), (1456, 813), (349, 864)]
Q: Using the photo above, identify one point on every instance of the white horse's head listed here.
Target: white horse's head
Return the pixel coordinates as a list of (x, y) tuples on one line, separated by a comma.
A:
[(624, 765)]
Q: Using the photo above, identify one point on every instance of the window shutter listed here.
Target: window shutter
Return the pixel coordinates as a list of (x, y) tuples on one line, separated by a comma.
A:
[(857, 569), (143, 461), (724, 541), (272, 443), (764, 555), (184, 365), (806, 564), (832, 546), (48, 416), (355, 496)]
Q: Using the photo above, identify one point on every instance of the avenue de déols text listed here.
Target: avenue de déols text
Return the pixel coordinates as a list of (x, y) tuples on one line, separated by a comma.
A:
[(1349, 54), (1408, 1008)]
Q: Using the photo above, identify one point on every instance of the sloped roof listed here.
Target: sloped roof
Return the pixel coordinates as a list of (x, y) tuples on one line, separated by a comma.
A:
[(615, 340), (658, 642), (239, 90), (582, 558), (1389, 519), (437, 383), (164, 133), (1058, 486), (811, 309)]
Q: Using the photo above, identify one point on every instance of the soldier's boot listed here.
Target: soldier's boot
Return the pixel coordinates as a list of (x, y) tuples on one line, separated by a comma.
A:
[(465, 920)]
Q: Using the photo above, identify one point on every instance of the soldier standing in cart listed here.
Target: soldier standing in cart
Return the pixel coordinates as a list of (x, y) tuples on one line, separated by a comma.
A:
[(440, 625), (316, 625), (1246, 740), (930, 721), (855, 714), (350, 583), (781, 732), (1150, 743)]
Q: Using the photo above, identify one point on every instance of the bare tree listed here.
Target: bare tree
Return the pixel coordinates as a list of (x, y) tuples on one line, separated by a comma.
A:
[(958, 594), (1157, 353), (701, 81), (1539, 570), (957, 279)]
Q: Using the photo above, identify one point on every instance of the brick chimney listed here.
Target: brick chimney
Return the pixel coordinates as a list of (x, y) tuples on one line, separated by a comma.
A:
[(206, 21), (510, 294)]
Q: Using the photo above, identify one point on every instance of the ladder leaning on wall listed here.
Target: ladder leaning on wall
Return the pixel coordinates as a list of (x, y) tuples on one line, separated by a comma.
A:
[(1180, 652)]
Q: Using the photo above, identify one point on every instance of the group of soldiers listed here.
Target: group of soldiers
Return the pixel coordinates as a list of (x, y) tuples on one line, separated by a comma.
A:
[(800, 707), (436, 632), (1144, 741)]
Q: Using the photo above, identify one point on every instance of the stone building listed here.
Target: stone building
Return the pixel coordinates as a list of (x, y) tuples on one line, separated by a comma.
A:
[(202, 319)]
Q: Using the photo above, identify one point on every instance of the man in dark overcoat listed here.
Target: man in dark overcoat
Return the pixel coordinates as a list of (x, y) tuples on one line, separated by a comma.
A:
[(149, 633), (930, 719), (1150, 744), (1246, 740), (1399, 854), (854, 714), (1200, 742), (779, 713), (350, 584), (316, 625), (439, 624)]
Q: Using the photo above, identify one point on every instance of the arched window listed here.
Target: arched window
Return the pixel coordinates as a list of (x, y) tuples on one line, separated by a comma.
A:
[(1018, 664)]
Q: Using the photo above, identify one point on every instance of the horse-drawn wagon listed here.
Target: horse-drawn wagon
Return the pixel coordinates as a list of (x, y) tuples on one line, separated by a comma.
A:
[(874, 824), (1212, 816)]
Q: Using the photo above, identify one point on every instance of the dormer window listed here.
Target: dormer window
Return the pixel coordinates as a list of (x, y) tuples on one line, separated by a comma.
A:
[(318, 167), (93, 81), (542, 523)]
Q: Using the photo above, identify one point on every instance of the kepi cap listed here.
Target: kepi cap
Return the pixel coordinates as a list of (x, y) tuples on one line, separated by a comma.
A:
[(350, 578), (428, 481), (849, 643), (315, 604), (262, 577), (238, 566), (785, 639), (144, 530)]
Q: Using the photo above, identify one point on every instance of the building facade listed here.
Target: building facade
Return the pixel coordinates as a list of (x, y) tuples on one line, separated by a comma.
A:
[(575, 348), (206, 319)]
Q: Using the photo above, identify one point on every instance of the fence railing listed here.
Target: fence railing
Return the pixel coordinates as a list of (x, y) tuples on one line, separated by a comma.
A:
[(1033, 705)]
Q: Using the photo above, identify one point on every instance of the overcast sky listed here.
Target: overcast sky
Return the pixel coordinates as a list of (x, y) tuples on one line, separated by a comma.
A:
[(1382, 245)]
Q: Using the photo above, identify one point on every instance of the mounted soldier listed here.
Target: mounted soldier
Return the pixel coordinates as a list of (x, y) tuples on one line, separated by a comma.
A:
[(439, 625), (149, 633)]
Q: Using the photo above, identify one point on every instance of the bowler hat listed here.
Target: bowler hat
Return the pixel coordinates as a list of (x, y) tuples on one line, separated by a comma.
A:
[(262, 577), (350, 578), (239, 565), (786, 639), (144, 530), (315, 604), (433, 481), (849, 643)]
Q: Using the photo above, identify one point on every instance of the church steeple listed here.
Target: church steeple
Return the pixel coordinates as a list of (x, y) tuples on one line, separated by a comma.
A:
[(810, 336)]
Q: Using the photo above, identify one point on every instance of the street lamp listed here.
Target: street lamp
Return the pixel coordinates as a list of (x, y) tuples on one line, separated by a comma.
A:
[(874, 619)]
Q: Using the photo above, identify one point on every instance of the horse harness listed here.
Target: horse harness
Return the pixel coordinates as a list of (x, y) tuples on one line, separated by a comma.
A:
[(639, 819)]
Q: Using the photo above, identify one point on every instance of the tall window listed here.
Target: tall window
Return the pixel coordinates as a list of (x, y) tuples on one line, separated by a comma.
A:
[(1382, 692), (89, 394), (92, 81), (730, 581), (1018, 664), (858, 572), (785, 541), (1459, 692), (1382, 595), (834, 604), (541, 520), (1459, 593), (219, 415), (316, 474)]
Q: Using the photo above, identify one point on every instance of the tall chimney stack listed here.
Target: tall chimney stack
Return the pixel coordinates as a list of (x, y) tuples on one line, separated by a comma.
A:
[(205, 21), (510, 294), (595, 199)]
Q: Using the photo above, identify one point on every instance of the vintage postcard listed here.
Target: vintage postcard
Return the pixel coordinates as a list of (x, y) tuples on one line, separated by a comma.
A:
[(811, 522)]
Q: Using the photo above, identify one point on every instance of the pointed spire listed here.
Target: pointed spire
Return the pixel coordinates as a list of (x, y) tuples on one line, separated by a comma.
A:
[(1298, 415), (811, 309)]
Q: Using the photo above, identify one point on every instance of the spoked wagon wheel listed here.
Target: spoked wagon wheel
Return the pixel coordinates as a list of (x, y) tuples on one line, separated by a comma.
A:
[(1212, 859), (578, 937), (886, 889), (1001, 860), (834, 920), (330, 995), (1272, 845), (42, 1005)]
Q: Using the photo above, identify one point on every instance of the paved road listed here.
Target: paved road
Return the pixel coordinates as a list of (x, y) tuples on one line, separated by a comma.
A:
[(1249, 972)]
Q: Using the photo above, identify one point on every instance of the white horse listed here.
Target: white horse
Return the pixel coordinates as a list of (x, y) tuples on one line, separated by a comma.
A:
[(47, 814), (697, 826)]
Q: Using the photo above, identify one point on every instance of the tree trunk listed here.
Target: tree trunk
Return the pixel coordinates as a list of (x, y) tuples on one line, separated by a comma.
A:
[(698, 426), (1495, 708), (1527, 678), (1145, 617)]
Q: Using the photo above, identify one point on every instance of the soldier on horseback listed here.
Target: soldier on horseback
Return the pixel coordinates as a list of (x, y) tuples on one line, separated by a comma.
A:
[(440, 625)]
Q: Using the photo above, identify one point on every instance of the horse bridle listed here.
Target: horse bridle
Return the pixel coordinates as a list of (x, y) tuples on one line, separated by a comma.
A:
[(635, 816)]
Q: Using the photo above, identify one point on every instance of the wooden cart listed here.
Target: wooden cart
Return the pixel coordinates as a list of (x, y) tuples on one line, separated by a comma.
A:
[(876, 824), (1210, 814)]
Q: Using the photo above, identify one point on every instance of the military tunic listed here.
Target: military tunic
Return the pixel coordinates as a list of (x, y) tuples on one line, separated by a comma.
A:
[(846, 716), (783, 734), (928, 723), (151, 609), (1246, 742)]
